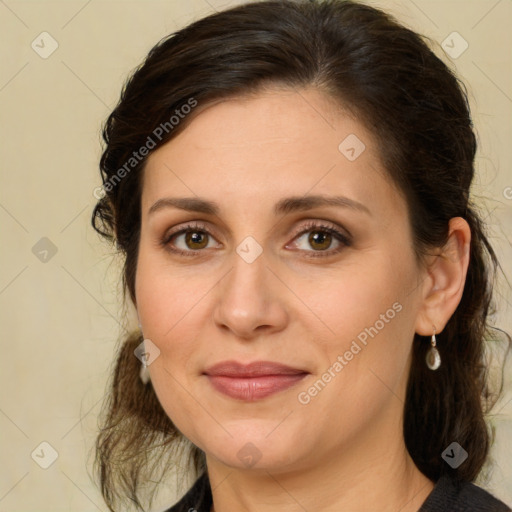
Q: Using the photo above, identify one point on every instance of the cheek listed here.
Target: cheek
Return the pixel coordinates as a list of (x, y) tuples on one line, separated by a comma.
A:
[(165, 303), (354, 297), (366, 316), (363, 361), (165, 295)]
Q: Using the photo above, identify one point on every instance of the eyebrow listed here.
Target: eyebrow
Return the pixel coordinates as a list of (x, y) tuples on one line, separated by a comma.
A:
[(283, 206)]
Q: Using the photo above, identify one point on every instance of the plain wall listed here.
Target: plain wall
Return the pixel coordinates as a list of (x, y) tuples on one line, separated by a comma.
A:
[(61, 317)]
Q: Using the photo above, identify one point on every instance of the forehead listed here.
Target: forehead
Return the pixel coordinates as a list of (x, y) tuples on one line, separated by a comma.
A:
[(268, 145), (270, 116)]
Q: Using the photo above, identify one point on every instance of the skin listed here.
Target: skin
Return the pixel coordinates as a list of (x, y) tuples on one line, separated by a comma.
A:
[(344, 450)]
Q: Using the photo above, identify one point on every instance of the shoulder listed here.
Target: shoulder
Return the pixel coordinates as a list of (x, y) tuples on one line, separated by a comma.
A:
[(197, 499), (458, 496)]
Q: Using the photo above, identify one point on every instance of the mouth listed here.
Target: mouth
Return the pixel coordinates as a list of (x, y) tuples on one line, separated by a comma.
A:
[(253, 381)]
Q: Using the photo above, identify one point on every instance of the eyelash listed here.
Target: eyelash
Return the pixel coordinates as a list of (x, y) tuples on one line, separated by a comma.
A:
[(310, 226)]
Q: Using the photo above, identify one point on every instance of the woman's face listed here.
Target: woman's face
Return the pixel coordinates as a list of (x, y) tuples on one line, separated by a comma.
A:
[(259, 281)]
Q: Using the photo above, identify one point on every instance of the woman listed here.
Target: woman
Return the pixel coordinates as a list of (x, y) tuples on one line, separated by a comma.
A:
[(289, 185)]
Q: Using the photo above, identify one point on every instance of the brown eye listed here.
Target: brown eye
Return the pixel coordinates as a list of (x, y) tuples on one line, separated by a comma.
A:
[(320, 240), (196, 240), (193, 239), (188, 241)]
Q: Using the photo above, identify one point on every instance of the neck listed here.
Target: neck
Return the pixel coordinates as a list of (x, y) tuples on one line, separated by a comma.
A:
[(376, 472)]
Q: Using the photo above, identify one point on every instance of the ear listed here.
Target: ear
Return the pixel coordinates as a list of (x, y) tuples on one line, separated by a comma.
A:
[(446, 277)]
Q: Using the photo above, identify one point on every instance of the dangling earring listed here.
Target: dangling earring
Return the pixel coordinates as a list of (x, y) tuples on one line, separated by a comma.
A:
[(144, 375), (433, 358), (144, 372)]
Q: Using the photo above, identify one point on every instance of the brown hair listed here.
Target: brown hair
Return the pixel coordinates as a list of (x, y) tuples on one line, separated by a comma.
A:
[(417, 110)]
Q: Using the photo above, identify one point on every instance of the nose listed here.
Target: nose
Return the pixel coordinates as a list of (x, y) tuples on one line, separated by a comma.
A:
[(250, 299)]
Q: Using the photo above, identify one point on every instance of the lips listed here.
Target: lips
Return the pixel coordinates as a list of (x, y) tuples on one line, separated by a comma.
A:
[(254, 369), (253, 381)]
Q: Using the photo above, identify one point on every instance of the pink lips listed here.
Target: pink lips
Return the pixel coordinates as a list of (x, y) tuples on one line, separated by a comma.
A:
[(253, 381)]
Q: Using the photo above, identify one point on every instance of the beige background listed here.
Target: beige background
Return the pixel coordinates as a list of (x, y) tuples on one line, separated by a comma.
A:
[(60, 318)]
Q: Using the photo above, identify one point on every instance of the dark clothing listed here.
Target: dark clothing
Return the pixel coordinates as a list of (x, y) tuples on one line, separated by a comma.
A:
[(447, 496), (453, 496)]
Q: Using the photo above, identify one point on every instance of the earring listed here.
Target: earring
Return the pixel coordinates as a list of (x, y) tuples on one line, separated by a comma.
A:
[(144, 375), (433, 358)]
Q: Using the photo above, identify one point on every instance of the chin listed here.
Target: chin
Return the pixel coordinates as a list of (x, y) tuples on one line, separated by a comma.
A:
[(256, 451)]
